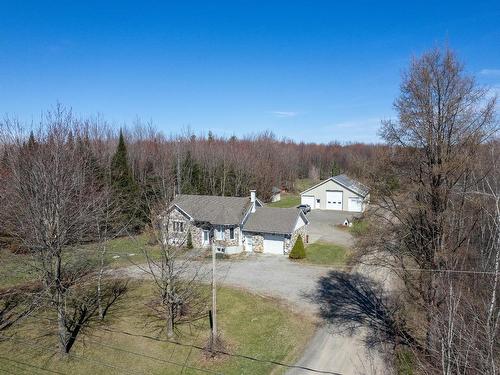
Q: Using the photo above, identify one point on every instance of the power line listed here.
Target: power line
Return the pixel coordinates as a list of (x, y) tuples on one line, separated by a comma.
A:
[(154, 358), (95, 361), (32, 366), (243, 356)]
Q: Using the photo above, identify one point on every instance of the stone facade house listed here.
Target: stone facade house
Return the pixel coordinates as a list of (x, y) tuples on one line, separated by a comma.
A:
[(233, 224)]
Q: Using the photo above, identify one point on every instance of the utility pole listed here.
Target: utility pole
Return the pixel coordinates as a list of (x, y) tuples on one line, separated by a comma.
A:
[(214, 304)]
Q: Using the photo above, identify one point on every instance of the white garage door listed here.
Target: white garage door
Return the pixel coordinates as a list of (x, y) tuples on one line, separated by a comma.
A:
[(273, 244), (355, 204), (307, 199), (334, 200)]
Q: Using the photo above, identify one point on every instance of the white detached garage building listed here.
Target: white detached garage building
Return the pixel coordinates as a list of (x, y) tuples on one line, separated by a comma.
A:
[(339, 193)]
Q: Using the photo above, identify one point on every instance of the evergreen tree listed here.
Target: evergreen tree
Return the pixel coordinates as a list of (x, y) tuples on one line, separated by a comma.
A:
[(189, 242), (336, 169), (191, 176), (125, 189), (298, 250), (31, 141), (210, 136)]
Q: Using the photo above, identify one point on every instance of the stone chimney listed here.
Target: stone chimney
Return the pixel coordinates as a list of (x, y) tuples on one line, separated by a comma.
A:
[(252, 199)]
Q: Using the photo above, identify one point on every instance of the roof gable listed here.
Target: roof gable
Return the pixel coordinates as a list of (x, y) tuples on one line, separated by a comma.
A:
[(273, 220), (213, 209), (346, 182)]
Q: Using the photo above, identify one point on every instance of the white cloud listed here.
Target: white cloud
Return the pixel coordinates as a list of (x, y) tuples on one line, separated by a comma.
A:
[(283, 114), (490, 72)]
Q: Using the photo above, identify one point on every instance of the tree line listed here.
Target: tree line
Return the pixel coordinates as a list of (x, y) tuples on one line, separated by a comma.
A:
[(435, 221)]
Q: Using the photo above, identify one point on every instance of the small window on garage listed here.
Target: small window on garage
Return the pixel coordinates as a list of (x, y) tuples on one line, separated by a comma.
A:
[(318, 200), (231, 233)]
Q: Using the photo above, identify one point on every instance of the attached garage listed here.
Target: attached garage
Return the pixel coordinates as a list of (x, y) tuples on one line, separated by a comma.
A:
[(338, 193), (274, 243), (273, 230)]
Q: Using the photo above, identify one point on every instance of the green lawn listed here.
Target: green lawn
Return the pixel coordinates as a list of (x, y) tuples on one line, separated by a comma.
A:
[(251, 325), (15, 268), (126, 251), (287, 200), (326, 254), (123, 251), (293, 199)]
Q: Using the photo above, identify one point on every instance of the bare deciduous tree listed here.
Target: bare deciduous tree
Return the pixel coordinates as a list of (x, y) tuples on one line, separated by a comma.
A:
[(424, 218), (51, 205), (179, 298)]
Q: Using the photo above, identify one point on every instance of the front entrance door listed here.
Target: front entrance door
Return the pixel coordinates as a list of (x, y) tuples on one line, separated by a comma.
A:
[(248, 244), (205, 239), (334, 200)]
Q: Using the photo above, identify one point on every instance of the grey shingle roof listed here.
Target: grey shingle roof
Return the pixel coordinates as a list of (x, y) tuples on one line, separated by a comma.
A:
[(213, 209), (351, 184), (272, 220)]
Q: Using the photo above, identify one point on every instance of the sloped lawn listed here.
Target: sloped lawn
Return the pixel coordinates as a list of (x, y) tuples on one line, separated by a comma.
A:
[(251, 325)]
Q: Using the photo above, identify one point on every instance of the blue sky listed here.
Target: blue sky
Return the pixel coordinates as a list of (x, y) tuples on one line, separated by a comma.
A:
[(312, 71)]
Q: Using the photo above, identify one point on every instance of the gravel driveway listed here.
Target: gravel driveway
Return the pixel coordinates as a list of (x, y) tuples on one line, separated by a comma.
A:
[(324, 226), (294, 283)]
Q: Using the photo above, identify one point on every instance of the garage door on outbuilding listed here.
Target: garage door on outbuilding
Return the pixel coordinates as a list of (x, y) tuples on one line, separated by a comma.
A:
[(339, 193), (355, 204), (308, 199)]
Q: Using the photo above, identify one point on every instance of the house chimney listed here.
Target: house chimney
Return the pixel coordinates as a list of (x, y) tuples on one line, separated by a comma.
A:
[(252, 199)]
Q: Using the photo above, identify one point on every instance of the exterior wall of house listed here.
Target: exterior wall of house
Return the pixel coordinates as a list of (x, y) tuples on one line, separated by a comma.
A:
[(197, 236), (319, 192), (173, 237), (232, 246), (257, 240), (276, 197), (289, 242), (180, 238)]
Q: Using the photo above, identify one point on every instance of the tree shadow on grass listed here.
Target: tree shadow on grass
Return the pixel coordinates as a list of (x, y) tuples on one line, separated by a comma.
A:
[(351, 301)]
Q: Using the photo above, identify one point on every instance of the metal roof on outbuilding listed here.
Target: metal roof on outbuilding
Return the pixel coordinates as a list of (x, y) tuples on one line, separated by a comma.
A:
[(347, 182)]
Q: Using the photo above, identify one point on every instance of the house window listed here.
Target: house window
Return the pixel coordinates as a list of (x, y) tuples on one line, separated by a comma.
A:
[(178, 226), (221, 250), (317, 201), (231, 233), (219, 233)]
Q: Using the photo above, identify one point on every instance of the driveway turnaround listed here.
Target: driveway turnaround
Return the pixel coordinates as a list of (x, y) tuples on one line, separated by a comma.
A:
[(325, 226), (294, 284), (311, 290)]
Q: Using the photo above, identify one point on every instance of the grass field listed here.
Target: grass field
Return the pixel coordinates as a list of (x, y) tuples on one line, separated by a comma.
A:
[(123, 251), (287, 200), (14, 269), (292, 199), (250, 324), (326, 254)]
